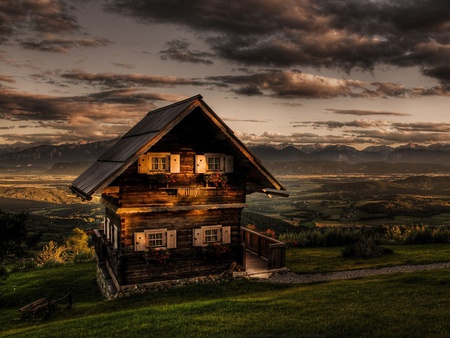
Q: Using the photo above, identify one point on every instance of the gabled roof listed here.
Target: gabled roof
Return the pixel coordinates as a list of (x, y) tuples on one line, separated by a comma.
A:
[(147, 133)]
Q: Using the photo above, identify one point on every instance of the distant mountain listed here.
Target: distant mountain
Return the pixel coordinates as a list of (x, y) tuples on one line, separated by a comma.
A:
[(269, 153), (420, 155), (47, 155), (382, 150), (11, 148), (410, 153), (72, 158)]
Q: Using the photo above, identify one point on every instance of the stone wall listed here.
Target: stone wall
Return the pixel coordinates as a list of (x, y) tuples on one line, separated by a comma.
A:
[(108, 289)]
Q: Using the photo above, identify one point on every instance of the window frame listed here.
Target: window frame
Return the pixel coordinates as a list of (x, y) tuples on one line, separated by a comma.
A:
[(162, 232), (199, 235), (218, 167), (171, 163), (168, 239)]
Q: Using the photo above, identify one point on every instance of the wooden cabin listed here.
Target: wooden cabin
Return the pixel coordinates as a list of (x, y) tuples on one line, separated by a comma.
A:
[(173, 188)]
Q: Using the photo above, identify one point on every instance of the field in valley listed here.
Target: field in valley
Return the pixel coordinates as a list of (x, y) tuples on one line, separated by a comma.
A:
[(359, 200)]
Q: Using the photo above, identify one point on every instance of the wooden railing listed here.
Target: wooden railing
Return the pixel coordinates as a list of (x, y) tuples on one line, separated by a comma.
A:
[(270, 248), (106, 253)]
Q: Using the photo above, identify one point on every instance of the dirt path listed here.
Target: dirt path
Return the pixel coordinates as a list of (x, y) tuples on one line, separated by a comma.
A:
[(290, 277)]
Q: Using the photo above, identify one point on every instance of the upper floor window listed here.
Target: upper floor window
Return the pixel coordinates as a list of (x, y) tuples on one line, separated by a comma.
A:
[(159, 163), (152, 163), (212, 162)]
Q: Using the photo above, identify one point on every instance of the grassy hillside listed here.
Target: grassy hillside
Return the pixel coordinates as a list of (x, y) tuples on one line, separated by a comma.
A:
[(399, 305)]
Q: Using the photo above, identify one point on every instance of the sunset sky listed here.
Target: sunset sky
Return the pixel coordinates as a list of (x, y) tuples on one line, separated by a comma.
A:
[(354, 72)]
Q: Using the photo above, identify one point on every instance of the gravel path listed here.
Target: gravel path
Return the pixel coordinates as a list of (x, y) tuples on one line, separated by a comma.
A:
[(290, 277)]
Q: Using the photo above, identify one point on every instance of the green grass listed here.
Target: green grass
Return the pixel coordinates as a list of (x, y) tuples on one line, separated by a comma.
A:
[(398, 305), (314, 260)]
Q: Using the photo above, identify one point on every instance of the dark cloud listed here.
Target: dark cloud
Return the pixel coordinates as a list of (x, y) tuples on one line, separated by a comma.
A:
[(365, 112), (18, 17), (98, 116), (295, 84), (442, 73), (178, 50), (343, 34), (115, 80), (63, 45), (288, 85), (123, 65)]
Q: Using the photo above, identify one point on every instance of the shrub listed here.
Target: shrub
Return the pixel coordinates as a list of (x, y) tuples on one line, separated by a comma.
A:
[(367, 246), (77, 246), (52, 254), (321, 237)]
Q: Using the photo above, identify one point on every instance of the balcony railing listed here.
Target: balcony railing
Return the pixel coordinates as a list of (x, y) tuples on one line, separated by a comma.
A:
[(270, 248)]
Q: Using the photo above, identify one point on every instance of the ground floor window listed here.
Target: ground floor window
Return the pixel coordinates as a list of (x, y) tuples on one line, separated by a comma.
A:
[(206, 235), (155, 239)]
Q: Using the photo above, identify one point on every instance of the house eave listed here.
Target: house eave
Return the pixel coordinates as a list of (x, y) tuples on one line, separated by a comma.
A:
[(172, 208)]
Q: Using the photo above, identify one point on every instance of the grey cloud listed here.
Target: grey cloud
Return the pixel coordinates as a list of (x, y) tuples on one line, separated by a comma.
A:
[(178, 50), (115, 80), (365, 112), (343, 34), (17, 17), (101, 115), (60, 45)]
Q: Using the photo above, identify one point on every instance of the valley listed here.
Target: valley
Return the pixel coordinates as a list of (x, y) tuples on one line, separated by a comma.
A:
[(332, 199), (348, 200)]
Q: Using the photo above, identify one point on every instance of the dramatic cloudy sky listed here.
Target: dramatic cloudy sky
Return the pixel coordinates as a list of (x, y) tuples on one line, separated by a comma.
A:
[(356, 72)]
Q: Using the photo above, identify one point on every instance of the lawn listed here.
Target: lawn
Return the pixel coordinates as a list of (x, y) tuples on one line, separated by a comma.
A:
[(398, 305), (315, 260)]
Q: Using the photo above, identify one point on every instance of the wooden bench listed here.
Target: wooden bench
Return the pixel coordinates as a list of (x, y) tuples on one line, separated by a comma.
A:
[(42, 308)]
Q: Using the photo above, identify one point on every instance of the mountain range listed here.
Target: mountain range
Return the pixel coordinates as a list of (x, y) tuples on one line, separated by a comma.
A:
[(46, 156)]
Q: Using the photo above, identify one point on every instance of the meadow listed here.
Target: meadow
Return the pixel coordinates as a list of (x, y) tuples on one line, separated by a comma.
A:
[(397, 305)]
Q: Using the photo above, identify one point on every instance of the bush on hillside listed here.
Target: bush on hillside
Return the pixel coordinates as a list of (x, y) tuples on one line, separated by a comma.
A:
[(366, 246)]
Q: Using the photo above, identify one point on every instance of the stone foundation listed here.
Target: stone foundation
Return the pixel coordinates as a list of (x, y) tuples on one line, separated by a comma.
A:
[(109, 291)]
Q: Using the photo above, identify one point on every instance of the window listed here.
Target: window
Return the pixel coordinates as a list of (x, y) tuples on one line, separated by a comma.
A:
[(159, 164), (211, 234), (213, 162), (155, 239), (152, 163)]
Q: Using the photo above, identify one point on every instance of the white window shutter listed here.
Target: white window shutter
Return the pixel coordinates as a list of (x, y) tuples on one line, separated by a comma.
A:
[(116, 237), (200, 164), (197, 237), (226, 235), (229, 165), (171, 242), (108, 228), (140, 241), (143, 164), (175, 164)]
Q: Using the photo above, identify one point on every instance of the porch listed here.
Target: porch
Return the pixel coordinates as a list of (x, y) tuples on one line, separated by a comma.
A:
[(262, 255)]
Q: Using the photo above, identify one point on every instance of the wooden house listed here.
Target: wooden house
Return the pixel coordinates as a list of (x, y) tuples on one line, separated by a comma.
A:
[(173, 188)]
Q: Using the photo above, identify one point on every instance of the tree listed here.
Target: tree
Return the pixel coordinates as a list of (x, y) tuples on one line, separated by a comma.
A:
[(13, 233), (77, 243)]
